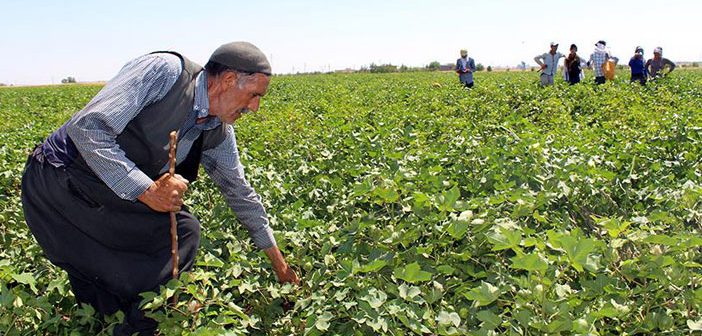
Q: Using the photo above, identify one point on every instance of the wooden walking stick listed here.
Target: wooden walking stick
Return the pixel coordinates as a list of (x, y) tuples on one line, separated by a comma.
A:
[(174, 223)]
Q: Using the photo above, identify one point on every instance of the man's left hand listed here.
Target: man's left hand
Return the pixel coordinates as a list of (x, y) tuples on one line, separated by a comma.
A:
[(282, 270), (287, 275)]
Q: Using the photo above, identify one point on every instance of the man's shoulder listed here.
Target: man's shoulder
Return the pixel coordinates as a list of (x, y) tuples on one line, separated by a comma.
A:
[(163, 68), (168, 59), (166, 64)]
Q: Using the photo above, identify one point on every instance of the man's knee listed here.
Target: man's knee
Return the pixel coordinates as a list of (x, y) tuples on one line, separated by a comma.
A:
[(188, 227), (188, 239)]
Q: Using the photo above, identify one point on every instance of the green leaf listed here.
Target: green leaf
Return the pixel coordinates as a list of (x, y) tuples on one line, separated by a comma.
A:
[(662, 240), (458, 228), (577, 249), (26, 279), (210, 260), (322, 323), (413, 324), (363, 188), (503, 239), (421, 200), (412, 273), (446, 269), (490, 320), (373, 266), (592, 263), (612, 309), (614, 226), (445, 318), (436, 292), (530, 262), (57, 284), (447, 200), (483, 295), (409, 292), (378, 325), (309, 223), (388, 195), (375, 298)]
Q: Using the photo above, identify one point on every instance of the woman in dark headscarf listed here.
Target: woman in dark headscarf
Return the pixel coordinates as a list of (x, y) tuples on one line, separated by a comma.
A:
[(572, 65)]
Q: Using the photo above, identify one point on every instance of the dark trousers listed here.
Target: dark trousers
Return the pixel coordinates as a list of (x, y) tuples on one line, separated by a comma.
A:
[(111, 255), (574, 78), (468, 85), (638, 78), (599, 80)]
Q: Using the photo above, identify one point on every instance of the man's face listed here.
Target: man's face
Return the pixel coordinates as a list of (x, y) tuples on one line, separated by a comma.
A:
[(553, 48), (234, 96)]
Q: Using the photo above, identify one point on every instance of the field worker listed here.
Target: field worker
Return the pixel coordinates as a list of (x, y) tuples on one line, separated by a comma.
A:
[(97, 196), (599, 59), (572, 66), (638, 70), (465, 66), (656, 65), (549, 64)]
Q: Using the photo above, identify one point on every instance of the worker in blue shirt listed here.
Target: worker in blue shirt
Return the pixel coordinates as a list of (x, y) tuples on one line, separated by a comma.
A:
[(638, 70)]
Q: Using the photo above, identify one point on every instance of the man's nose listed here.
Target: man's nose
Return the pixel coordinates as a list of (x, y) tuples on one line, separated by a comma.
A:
[(254, 104)]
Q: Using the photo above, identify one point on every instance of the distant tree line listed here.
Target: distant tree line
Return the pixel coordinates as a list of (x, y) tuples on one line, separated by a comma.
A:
[(433, 66)]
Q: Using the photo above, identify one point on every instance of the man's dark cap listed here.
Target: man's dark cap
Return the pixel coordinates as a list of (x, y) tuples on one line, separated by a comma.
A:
[(242, 56)]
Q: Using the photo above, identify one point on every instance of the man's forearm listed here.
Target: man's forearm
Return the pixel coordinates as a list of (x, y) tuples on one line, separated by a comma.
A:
[(109, 163), (276, 258)]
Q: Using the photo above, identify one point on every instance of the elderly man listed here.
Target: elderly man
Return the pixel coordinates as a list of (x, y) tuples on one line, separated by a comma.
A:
[(96, 193), (549, 64), (656, 65), (465, 66)]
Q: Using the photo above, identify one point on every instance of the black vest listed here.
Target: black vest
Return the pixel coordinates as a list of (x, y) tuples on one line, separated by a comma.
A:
[(145, 139)]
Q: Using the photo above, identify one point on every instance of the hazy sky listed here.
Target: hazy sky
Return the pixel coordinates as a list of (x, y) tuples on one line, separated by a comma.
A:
[(45, 41)]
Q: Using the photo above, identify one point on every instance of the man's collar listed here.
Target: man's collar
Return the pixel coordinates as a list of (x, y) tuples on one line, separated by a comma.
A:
[(202, 103)]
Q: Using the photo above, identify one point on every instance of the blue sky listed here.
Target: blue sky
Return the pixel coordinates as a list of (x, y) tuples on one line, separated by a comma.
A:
[(44, 41)]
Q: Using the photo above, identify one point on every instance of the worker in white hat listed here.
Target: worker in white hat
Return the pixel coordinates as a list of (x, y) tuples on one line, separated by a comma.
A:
[(465, 66), (657, 64), (549, 64)]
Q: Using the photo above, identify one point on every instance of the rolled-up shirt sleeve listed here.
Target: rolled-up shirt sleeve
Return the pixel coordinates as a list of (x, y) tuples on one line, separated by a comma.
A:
[(222, 164), (670, 64), (538, 59), (95, 128)]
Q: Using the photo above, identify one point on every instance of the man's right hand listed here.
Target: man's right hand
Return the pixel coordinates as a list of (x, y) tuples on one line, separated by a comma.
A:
[(166, 194)]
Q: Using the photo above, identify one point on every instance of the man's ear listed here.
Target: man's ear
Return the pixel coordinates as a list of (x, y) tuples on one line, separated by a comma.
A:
[(229, 78)]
